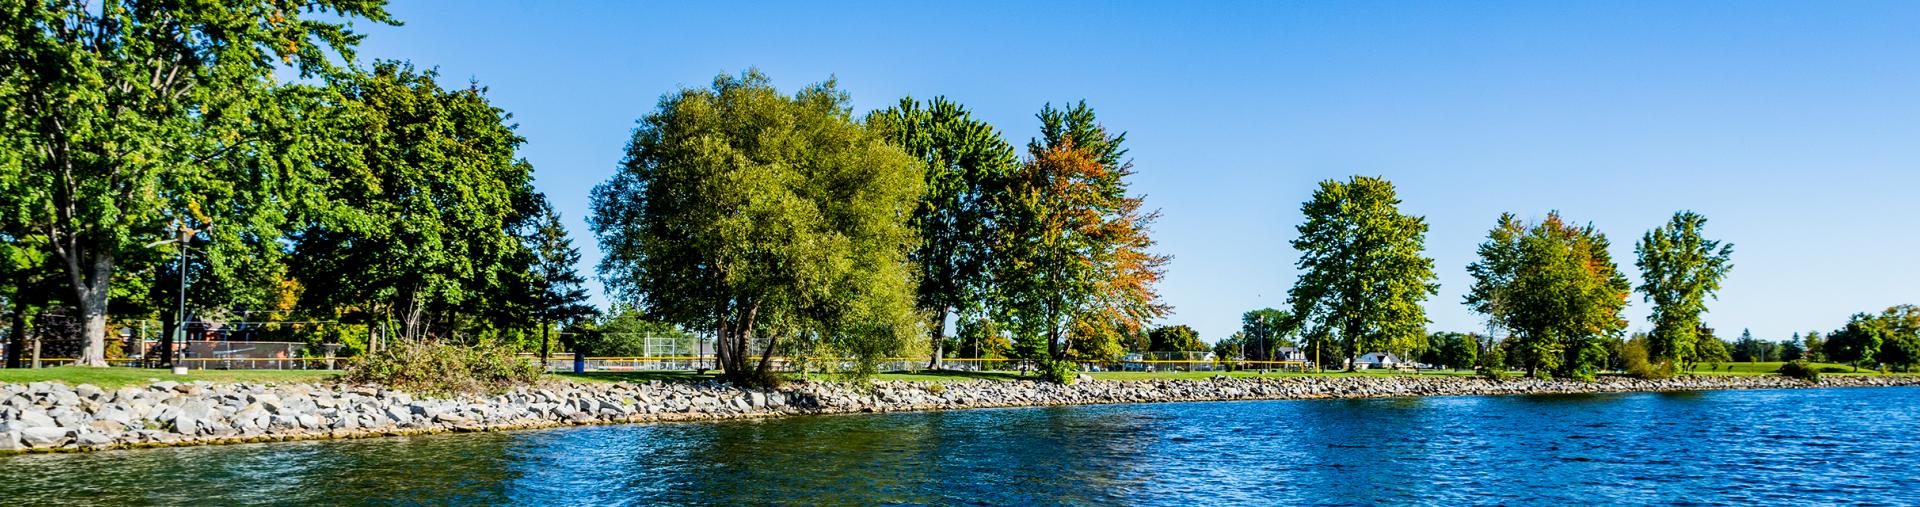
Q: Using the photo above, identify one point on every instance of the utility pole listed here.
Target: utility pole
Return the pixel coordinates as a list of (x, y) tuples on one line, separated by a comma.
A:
[(180, 309)]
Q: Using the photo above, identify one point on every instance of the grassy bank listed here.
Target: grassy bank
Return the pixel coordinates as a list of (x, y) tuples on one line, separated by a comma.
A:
[(112, 378)]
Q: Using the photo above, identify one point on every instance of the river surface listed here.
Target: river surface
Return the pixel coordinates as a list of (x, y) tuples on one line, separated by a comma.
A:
[(1768, 447)]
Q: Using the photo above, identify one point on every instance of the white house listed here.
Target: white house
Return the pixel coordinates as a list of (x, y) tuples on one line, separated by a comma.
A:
[(1378, 360), (1289, 354)]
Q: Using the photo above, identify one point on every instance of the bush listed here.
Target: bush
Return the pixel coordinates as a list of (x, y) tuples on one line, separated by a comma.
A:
[(435, 368), (1061, 372), (1633, 355), (1801, 370)]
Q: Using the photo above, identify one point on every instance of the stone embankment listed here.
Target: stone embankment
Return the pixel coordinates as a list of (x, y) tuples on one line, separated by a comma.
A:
[(46, 416)]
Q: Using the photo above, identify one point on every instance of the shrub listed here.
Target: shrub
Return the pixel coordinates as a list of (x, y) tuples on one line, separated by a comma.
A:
[(436, 368), (1801, 370), (1633, 355), (1061, 372)]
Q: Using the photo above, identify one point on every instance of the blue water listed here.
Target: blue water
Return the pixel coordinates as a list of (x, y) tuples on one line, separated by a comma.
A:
[(1809, 447)]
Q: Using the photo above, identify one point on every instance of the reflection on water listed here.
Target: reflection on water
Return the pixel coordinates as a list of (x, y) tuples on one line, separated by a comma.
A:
[(1768, 447)]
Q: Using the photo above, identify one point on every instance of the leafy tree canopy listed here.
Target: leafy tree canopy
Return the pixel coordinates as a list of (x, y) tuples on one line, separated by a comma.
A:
[(1363, 272), (763, 217)]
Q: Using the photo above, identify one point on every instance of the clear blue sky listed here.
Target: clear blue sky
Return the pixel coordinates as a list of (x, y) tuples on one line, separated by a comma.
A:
[(1794, 126)]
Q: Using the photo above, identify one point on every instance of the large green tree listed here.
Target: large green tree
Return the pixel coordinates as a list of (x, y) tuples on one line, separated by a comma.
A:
[(1555, 288), (1073, 259), (1679, 270), (125, 111), (966, 162), (1363, 272), (763, 217), (414, 227)]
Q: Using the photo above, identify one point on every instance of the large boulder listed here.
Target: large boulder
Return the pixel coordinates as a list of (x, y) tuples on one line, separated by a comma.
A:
[(44, 436)]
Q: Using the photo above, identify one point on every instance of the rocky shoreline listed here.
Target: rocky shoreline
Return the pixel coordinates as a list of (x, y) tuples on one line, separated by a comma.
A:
[(54, 417)]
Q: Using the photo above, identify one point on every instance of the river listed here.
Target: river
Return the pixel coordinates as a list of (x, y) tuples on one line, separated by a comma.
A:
[(1810, 446)]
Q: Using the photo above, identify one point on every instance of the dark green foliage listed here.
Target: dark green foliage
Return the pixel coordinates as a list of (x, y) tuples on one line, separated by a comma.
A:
[(966, 162), (1791, 350), (1800, 369), (121, 122), (420, 209), (1453, 350), (1858, 342), (443, 369), (1750, 349), (1178, 338)]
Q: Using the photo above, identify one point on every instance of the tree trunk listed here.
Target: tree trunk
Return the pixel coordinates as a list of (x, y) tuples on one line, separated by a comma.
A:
[(939, 338), (544, 331), (17, 335), (168, 337), (93, 308)]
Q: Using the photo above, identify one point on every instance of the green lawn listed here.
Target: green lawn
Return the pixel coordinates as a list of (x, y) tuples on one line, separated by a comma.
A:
[(112, 378), (1769, 368)]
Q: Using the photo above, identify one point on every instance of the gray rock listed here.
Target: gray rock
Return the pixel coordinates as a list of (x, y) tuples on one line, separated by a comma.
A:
[(42, 437), (196, 409), (93, 439), (36, 419)]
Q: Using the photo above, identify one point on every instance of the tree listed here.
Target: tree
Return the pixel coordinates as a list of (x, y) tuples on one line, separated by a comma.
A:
[(1234, 346), (1363, 273), (1454, 350), (980, 338), (1556, 288), (1074, 260), (966, 161), (1265, 331), (624, 332), (1179, 338), (557, 292), (1791, 350), (415, 223), (1816, 346), (1710, 349), (764, 218), (1859, 341), (1679, 271), (1901, 346), (1750, 349), (124, 112)]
